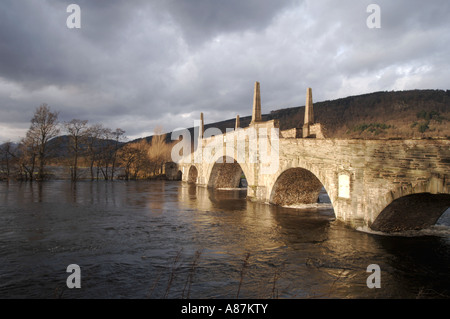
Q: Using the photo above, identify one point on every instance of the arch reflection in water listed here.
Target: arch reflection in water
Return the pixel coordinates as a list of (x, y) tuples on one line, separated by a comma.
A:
[(257, 222)]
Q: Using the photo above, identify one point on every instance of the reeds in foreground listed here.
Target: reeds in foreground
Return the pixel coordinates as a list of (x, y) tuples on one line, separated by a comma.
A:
[(244, 267), (175, 267), (191, 275)]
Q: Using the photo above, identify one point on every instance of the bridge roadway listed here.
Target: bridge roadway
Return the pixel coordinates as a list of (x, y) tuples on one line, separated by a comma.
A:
[(386, 185)]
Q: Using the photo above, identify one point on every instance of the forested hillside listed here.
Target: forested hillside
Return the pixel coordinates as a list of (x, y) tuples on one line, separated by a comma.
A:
[(402, 114)]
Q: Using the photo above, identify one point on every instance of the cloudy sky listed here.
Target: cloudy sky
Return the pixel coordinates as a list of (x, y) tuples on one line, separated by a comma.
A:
[(140, 64)]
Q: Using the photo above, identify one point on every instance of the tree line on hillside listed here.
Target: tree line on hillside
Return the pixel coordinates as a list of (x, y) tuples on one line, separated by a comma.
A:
[(407, 114), (97, 149)]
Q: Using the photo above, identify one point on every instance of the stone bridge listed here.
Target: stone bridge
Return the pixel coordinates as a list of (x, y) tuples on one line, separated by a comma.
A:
[(386, 185)]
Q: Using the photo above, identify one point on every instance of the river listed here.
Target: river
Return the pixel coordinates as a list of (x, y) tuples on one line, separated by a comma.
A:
[(159, 239)]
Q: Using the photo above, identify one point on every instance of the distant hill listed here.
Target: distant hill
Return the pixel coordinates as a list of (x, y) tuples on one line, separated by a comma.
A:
[(59, 146), (396, 114), (400, 114)]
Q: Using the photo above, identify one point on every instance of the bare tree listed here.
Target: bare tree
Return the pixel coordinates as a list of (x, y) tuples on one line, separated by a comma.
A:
[(142, 163), (105, 152), (7, 157), (44, 127), (127, 157), (118, 135), (159, 151), (94, 134), (133, 157), (28, 150), (77, 130)]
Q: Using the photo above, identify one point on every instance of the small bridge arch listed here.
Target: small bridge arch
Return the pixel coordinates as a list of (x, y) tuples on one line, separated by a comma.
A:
[(192, 174)]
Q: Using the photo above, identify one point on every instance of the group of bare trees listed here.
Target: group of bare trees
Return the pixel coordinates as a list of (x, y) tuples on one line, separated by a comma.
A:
[(99, 150), (30, 156), (94, 145), (145, 159)]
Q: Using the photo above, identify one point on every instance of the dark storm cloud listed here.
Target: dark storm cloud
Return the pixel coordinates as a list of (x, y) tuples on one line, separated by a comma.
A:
[(37, 47), (107, 67), (138, 64), (201, 20), (27, 41)]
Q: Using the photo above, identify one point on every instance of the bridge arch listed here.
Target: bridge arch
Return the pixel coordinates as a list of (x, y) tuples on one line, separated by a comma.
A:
[(192, 174), (297, 185), (412, 207), (226, 172)]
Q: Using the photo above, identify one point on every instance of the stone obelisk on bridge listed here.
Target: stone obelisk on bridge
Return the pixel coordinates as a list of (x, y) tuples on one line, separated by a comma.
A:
[(256, 113), (309, 113), (202, 126)]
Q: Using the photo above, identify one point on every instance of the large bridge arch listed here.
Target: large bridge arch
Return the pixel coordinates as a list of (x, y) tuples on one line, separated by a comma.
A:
[(411, 207), (298, 184), (225, 172)]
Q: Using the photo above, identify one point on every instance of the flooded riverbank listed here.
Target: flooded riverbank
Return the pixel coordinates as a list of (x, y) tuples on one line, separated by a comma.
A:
[(159, 239)]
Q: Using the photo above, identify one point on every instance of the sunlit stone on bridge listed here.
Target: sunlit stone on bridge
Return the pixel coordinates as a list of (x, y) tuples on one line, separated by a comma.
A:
[(386, 185), (296, 186), (226, 174)]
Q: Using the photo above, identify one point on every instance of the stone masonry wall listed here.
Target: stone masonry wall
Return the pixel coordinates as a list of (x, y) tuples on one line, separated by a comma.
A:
[(378, 171)]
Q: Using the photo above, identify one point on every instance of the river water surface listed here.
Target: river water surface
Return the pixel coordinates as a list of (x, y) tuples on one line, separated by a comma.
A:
[(162, 239)]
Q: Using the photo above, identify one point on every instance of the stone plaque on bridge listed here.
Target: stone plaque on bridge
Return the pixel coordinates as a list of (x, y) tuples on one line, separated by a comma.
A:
[(344, 186)]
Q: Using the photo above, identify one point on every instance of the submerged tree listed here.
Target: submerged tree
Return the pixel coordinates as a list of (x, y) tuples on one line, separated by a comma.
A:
[(105, 152), (118, 136), (28, 150), (78, 133), (133, 157), (7, 160), (94, 134), (127, 158), (44, 127), (159, 151)]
